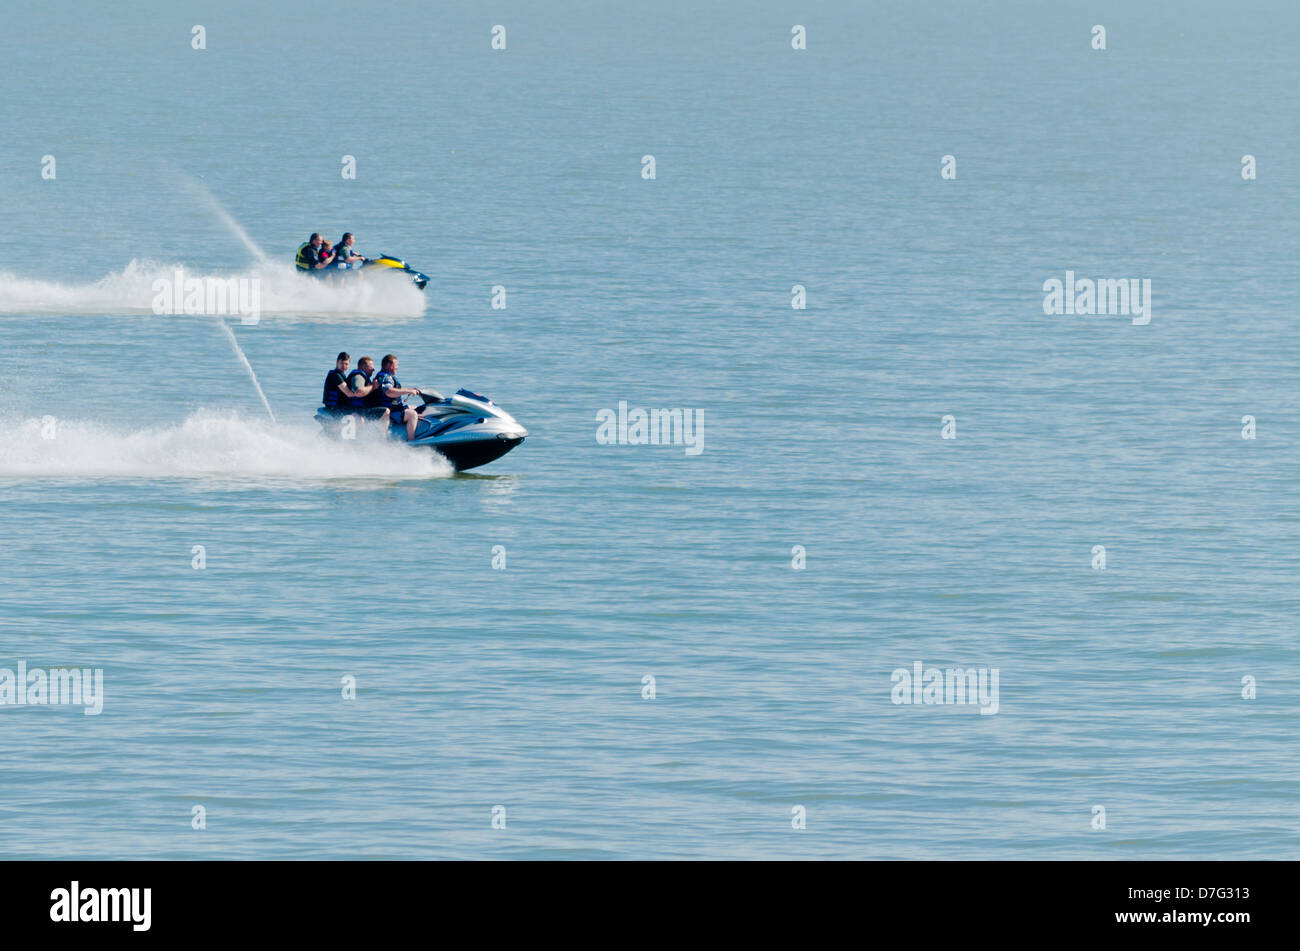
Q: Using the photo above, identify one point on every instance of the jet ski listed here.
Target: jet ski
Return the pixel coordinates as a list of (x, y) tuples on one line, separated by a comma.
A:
[(385, 262), (469, 429)]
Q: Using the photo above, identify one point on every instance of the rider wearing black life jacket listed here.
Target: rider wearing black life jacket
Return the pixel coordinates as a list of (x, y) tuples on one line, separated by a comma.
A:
[(362, 381), (338, 395), (358, 380)]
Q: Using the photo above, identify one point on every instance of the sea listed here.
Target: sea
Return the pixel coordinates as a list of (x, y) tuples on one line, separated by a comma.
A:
[(983, 319)]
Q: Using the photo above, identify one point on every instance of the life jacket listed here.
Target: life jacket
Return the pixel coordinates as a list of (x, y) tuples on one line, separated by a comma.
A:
[(384, 381), (300, 262), (359, 402), (332, 398)]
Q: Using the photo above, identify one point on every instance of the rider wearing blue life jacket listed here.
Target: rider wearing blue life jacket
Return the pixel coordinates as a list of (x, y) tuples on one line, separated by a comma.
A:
[(393, 396)]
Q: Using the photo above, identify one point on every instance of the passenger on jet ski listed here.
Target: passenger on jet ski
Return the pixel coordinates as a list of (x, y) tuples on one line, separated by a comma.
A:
[(361, 380), (338, 393), (394, 396), (347, 254), (318, 258), (309, 256)]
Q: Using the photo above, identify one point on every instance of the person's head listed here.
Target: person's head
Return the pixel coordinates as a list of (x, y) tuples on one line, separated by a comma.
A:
[(389, 363), (342, 361), (346, 240), (325, 244), (365, 363), (314, 239)]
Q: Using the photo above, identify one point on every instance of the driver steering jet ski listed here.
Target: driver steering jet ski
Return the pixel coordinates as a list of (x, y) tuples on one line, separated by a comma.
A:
[(469, 429), (315, 260)]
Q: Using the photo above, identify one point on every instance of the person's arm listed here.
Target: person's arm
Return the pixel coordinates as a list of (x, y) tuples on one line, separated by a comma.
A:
[(348, 389)]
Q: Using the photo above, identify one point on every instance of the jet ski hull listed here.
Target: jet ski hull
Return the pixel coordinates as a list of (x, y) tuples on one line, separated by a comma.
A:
[(381, 264), (470, 455), (468, 429)]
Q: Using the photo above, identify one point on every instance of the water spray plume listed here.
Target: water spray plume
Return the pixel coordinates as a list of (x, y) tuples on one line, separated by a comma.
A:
[(209, 445), (247, 366), (196, 187), (284, 292)]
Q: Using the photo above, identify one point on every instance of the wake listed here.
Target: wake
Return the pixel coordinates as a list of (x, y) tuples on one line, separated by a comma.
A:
[(284, 292), (207, 445)]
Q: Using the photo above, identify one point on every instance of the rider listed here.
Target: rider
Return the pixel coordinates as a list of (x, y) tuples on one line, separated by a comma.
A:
[(346, 253), (309, 256), (366, 403), (338, 393), (394, 396)]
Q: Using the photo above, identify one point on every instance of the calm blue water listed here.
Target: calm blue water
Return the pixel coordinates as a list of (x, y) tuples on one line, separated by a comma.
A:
[(523, 687)]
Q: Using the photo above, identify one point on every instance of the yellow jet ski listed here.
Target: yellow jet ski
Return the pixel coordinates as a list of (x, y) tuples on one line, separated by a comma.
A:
[(384, 262), (392, 263)]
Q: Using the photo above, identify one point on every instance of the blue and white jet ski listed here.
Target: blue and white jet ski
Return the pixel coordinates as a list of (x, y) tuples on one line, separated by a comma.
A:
[(469, 429)]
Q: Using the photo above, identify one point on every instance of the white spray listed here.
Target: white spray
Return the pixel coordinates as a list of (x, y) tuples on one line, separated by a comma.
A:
[(283, 290), (210, 444), (198, 189), (195, 186), (247, 366)]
